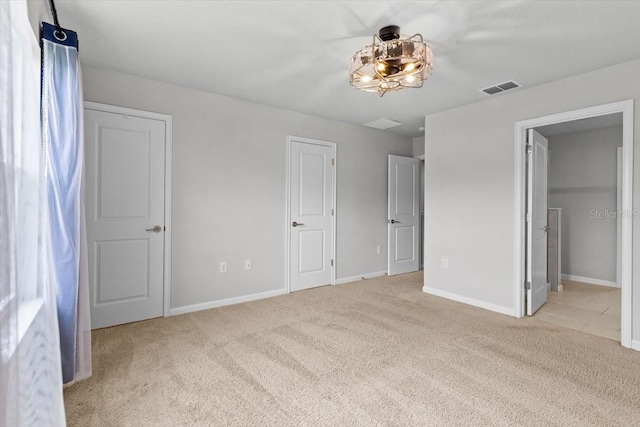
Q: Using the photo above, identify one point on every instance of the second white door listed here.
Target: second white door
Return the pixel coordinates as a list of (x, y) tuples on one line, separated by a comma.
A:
[(311, 213), (537, 227), (125, 190), (404, 215)]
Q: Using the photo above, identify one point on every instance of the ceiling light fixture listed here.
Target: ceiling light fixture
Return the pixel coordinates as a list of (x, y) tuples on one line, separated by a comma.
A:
[(391, 63)]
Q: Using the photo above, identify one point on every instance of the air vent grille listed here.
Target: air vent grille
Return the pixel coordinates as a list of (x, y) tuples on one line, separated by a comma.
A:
[(383, 123), (501, 87)]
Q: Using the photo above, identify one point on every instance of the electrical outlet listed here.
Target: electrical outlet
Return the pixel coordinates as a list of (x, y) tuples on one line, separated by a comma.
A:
[(445, 263), (223, 267), (378, 249), (247, 264)]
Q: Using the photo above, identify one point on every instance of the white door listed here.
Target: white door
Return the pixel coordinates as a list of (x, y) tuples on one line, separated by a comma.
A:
[(537, 227), (311, 214), (125, 189), (404, 215)]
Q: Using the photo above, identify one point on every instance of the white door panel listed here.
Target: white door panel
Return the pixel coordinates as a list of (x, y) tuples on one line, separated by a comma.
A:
[(116, 282), (312, 251), (125, 198), (537, 226), (404, 243), (404, 215), (311, 214)]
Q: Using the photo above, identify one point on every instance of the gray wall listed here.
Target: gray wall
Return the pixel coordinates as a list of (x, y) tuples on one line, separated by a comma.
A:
[(469, 182), (38, 12), (583, 179), (418, 146), (229, 186)]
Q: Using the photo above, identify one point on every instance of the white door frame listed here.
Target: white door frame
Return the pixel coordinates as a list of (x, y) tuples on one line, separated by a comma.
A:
[(626, 108), (287, 224), (168, 167)]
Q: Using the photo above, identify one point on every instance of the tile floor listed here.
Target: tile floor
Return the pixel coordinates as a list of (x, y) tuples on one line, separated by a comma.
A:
[(588, 308)]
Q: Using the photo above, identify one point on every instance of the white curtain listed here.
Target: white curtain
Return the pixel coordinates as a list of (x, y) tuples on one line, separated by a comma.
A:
[(63, 141), (30, 374)]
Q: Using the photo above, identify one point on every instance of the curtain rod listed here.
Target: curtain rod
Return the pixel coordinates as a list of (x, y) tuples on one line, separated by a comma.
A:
[(54, 13)]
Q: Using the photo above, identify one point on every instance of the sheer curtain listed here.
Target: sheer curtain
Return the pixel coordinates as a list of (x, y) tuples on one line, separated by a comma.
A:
[(30, 375), (63, 141)]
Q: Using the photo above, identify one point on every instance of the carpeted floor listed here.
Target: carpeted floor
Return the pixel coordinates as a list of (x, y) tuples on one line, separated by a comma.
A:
[(374, 352)]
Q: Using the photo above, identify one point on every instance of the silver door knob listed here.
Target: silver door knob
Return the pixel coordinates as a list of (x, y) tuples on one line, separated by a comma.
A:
[(547, 229), (155, 229), (295, 224)]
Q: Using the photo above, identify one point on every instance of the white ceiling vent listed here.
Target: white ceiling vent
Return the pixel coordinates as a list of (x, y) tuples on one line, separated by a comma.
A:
[(383, 123), (502, 87)]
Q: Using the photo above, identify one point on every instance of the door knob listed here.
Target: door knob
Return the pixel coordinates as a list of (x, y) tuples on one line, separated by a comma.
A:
[(546, 229), (295, 224), (155, 229), (393, 221)]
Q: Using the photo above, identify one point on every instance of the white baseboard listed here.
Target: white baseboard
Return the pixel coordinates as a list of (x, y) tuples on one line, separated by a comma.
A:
[(224, 302), (360, 277), (635, 344), (470, 301), (590, 280)]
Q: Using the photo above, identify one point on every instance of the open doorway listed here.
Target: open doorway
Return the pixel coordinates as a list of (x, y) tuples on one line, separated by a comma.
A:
[(531, 226), (583, 225)]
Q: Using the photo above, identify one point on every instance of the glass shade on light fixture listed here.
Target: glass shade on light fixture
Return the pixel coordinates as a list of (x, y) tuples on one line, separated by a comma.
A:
[(391, 63)]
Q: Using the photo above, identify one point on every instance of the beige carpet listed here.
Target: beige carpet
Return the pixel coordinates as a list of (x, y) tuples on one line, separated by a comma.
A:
[(375, 352)]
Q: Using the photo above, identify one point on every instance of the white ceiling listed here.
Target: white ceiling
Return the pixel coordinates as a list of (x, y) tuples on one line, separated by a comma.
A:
[(295, 55)]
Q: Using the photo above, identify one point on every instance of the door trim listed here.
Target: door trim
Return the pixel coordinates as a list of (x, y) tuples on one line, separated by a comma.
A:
[(626, 108), (287, 227), (168, 167)]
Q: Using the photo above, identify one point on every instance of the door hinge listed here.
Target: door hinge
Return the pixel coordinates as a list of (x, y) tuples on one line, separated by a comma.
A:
[(528, 148), (331, 263), (527, 286), (333, 162), (332, 212)]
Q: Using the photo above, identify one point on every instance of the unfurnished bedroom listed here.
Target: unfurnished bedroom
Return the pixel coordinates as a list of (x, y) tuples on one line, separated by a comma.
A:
[(285, 213)]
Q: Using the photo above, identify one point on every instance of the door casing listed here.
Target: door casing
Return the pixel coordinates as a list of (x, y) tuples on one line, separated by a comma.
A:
[(168, 167), (287, 224), (626, 262)]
